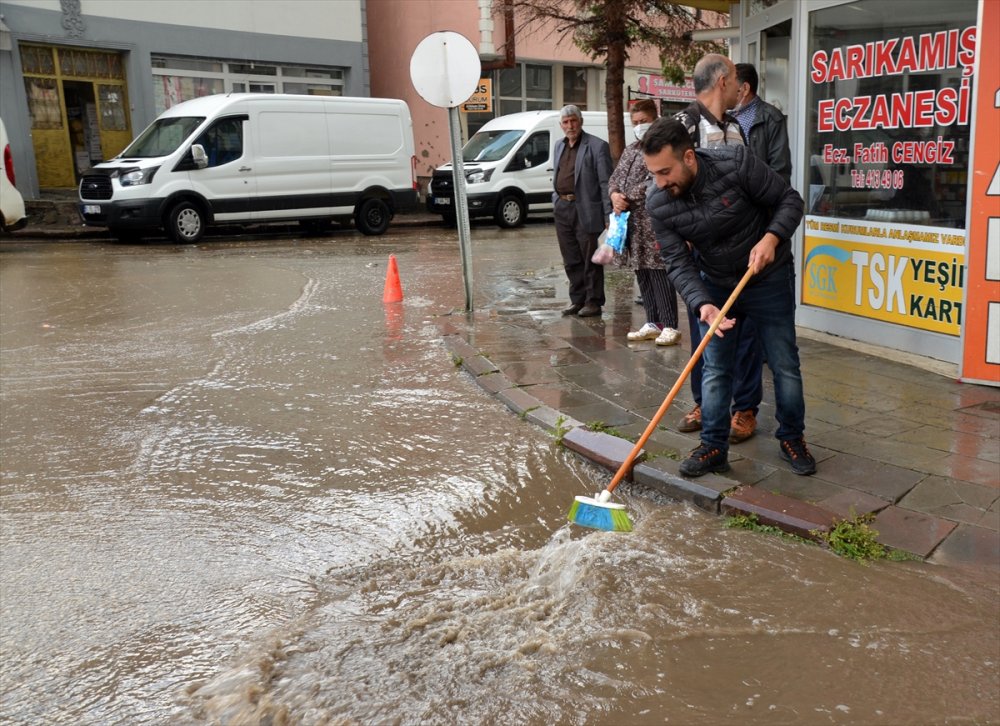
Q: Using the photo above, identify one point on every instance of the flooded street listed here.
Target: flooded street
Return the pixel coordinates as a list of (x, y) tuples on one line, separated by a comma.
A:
[(238, 489)]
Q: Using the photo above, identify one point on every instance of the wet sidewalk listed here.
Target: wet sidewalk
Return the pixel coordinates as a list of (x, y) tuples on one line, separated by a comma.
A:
[(914, 448)]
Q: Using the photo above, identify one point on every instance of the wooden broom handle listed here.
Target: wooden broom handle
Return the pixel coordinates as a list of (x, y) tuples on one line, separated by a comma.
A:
[(626, 465)]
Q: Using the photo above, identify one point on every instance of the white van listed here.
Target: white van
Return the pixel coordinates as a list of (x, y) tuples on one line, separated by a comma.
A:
[(249, 158), (508, 166)]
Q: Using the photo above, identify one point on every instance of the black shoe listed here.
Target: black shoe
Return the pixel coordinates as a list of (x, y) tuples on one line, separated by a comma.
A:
[(572, 310), (794, 451), (703, 460), (589, 311)]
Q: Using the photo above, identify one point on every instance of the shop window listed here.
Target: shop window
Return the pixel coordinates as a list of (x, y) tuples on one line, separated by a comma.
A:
[(889, 103), (37, 61), (43, 103), (528, 87), (177, 78), (113, 115), (74, 63)]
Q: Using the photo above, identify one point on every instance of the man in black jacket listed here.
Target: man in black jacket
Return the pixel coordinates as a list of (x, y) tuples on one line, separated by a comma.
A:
[(763, 125), (737, 213)]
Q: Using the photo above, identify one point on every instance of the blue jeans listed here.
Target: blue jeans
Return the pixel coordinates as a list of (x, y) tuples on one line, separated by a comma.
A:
[(770, 303), (748, 389)]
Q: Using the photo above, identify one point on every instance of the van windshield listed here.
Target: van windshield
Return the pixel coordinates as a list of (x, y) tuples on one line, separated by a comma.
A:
[(490, 145), (162, 137)]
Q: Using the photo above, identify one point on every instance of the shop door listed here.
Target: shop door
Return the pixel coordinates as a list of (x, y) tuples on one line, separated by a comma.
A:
[(770, 52), (78, 106)]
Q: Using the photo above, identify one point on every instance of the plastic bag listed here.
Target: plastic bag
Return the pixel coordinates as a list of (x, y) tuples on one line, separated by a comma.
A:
[(618, 231), (605, 253)]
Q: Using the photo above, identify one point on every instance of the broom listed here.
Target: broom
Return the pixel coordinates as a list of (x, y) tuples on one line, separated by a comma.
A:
[(599, 512)]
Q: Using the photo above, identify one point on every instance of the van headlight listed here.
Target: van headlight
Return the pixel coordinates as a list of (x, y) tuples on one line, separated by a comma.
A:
[(135, 177), (478, 176)]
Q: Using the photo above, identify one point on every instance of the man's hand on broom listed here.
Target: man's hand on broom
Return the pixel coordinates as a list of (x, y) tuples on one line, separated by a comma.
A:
[(708, 313), (762, 253)]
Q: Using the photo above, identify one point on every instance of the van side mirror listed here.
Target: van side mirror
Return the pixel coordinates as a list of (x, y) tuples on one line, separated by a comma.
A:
[(199, 156)]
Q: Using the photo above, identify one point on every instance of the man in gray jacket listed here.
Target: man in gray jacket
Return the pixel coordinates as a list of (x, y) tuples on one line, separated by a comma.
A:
[(582, 207), (737, 213)]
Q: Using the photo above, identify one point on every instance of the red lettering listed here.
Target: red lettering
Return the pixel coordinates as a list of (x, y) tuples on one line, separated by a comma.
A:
[(824, 121), (855, 61), (861, 120), (818, 73), (923, 112), (907, 60), (902, 110), (884, 63), (836, 70), (932, 50), (947, 103), (842, 114), (880, 113), (968, 54)]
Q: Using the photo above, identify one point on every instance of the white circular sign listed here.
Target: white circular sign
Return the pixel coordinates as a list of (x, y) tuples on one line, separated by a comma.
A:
[(445, 69)]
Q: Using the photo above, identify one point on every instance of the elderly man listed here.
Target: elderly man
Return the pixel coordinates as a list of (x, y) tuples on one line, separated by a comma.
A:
[(736, 213), (582, 209), (710, 125)]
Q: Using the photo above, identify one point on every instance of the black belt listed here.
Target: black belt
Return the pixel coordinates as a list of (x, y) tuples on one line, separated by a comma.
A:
[(568, 197)]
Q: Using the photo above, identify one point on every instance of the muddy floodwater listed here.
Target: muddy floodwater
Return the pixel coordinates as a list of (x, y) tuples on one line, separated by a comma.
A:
[(238, 489)]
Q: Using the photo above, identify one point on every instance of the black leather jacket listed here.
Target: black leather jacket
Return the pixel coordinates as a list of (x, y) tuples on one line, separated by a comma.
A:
[(734, 201), (768, 139)]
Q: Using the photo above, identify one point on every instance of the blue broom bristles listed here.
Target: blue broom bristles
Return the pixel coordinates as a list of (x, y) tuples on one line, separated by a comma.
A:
[(589, 513)]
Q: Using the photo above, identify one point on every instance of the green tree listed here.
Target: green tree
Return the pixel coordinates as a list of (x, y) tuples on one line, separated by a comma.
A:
[(609, 29)]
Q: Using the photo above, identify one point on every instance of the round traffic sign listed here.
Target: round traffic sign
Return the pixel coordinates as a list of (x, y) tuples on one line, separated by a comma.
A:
[(445, 69)]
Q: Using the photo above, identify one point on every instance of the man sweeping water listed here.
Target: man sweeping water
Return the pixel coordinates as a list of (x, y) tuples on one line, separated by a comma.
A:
[(738, 214)]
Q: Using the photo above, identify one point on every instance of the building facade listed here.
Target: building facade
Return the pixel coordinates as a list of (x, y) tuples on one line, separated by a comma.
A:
[(80, 78), (892, 117), (543, 71)]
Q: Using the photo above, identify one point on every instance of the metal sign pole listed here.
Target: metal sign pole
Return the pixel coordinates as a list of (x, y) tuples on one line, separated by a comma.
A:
[(461, 204), (445, 71)]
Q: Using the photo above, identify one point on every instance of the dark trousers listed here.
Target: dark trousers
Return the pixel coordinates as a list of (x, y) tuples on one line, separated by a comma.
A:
[(659, 299), (577, 246), (770, 302), (747, 384)]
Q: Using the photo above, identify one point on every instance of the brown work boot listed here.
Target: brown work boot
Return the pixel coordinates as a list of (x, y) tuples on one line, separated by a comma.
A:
[(742, 426), (691, 421)]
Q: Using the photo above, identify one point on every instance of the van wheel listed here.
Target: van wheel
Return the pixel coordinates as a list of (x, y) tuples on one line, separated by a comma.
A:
[(510, 211), (373, 216), (185, 223)]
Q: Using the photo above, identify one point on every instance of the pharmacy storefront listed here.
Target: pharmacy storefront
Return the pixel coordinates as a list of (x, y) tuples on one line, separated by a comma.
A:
[(887, 130)]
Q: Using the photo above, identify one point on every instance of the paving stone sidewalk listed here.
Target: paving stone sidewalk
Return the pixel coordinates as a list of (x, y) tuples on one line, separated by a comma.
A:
[(918, 450)]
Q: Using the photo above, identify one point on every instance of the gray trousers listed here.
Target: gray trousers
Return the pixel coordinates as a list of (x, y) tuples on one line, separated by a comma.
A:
[(577, 246)]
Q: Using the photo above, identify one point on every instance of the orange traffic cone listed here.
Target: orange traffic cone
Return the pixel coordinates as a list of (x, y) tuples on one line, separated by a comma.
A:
[(393, 291)]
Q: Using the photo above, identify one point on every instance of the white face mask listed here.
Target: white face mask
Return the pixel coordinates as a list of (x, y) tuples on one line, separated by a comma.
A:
[(640, 131)]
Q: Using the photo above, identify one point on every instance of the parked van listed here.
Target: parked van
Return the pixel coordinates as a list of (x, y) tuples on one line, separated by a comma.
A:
[(250, 158), (12, 216), (508, 166)]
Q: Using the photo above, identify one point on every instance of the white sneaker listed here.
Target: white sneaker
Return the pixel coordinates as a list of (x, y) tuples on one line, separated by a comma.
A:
[(668, 336), (646, 332)]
